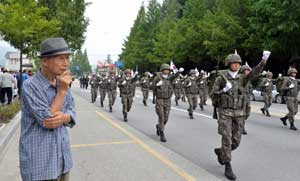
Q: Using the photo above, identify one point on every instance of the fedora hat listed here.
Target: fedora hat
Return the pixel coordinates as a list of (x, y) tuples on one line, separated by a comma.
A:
[(54, 46)]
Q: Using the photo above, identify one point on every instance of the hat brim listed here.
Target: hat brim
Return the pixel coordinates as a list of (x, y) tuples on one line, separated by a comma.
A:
[(68, 52)]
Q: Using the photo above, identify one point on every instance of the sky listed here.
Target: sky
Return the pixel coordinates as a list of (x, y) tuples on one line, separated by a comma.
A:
[(110, 24)]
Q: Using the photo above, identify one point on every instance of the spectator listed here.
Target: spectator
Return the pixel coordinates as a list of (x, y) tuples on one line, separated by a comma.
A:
[(7, 83), (47, 110)]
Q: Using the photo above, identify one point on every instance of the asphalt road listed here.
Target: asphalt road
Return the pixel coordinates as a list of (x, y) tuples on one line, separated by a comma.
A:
[(270, 152)]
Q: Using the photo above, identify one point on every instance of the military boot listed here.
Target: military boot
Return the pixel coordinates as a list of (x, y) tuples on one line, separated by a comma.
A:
[(244, 131), (293, 127), (176, 101), (125, 118), (263, 111), (144, 102), (283, 120), (162, 137), (101, 102), (268, 114), (157, 130), (191, 115), (202, 108), (110, 108), (228, 171), (218, 153), (153, 101)]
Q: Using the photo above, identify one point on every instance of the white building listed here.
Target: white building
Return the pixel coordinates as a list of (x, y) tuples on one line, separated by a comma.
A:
[(13, 61)]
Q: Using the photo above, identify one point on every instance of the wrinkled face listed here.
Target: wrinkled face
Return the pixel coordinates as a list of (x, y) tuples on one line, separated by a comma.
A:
[(166, 72), (56, 65), (246, 72), (234, 66)]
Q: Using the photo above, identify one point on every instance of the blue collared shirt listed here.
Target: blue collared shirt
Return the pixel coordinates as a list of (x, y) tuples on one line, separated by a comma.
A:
[(44, 153)]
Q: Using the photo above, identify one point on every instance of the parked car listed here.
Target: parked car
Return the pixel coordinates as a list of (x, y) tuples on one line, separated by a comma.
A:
[(276, 97)]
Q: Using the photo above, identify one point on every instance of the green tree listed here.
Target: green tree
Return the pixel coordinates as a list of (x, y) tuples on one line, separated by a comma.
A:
[(73, 23), (24, 26)]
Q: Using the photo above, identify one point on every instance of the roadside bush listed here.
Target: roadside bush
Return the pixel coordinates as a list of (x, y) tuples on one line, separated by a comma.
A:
[(7, 112)]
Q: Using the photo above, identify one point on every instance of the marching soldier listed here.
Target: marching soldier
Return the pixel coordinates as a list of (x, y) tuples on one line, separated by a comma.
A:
[(248, 92), (86, 82), (127, 86), (111, 89), (203, 88), (192, 91), (163, 91), (102, 87), (291, 88), (94, 82), (267, 85), (228, 89), (177, 89), (183, 93), (145, 84)]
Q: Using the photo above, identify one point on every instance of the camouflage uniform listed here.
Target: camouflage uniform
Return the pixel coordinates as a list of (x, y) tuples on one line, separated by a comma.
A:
[(102, 88), (145, 85), (203, 91), (111, 90), (291, 87), (248, 93), (192, 91), (127, 86), (267, 85), (94, 82), (163, 91), (177, 89), (231, 101)]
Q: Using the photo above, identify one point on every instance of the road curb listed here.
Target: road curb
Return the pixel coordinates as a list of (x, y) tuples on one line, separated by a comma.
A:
[(8, 131)]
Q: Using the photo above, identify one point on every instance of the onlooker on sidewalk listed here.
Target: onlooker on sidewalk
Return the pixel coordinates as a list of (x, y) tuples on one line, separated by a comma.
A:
[(47, 110), (7, 83)]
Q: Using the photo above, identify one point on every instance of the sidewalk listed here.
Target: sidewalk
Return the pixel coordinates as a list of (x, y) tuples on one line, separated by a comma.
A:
[(107, 149)]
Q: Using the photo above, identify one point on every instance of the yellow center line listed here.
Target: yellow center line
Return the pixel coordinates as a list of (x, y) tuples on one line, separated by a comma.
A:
[(101, 144), (148, 149)]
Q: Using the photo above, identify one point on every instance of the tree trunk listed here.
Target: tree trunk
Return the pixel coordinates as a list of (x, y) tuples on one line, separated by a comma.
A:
[(21, 72)]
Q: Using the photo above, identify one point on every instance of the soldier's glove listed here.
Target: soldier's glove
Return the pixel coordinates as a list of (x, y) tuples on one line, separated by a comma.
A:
[(100, 82), (201, 82), (267, 84), (266, 55), (292, 86), (181, 69), (190, 84), (159, 83), (144, 81), (150, 75), (227, 87), (124, 82), (108, 80)]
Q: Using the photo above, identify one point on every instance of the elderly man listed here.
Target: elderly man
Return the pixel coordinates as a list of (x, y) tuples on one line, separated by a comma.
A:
[(47, 111)]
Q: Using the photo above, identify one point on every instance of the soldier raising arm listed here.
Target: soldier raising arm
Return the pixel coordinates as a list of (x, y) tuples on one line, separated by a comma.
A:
[(229, 87)]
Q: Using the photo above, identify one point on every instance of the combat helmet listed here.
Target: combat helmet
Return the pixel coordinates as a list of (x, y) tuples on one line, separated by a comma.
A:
[(269, 74), (233, 58), (127, 71), (292, 70), (193, 71), (164, 67), (245, 67)]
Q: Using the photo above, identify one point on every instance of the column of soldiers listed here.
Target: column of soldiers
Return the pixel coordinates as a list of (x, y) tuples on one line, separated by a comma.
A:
[(230, 93)]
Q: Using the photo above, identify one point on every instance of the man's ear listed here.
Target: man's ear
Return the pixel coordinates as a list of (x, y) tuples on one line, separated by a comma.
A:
[(45, 62)]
